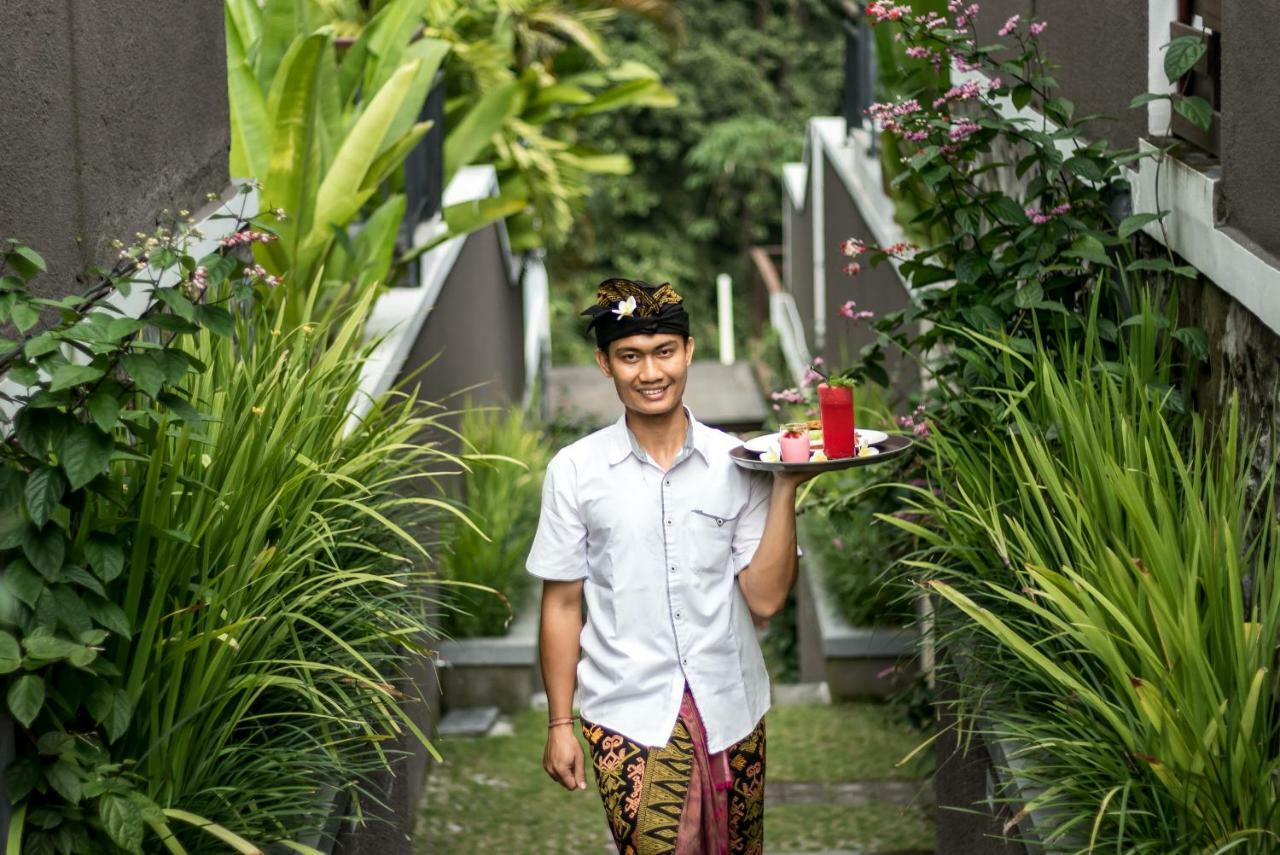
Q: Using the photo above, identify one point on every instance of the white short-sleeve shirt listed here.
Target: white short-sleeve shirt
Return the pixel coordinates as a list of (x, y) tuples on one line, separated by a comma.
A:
[(659, 553)]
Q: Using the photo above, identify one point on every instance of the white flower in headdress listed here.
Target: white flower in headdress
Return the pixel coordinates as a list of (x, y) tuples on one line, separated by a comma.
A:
[(625, 308)]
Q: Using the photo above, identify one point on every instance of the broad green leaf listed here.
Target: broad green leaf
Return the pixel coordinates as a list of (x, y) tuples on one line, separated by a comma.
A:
[(1030, 294), (44, 491), (105, 555), (26, 697), (122, 820), (144, 369), (49, 646), (1196, 110), (1181, 55), (1147, 97), (110, 616), (26, 262), (45, 548), (293, 108), (65, 780), (1195, 340), (1134, 223), (110, 708), (471, 137), (24, 317), (1090, 249), (85, 454), (340, 196), (104, 408), (66, 376), (10, 654), (23, 582), (1085, 168), (633, 93), (250, 125), (216, 319)]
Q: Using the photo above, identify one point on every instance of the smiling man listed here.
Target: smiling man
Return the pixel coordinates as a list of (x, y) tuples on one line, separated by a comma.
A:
[(675, 551)]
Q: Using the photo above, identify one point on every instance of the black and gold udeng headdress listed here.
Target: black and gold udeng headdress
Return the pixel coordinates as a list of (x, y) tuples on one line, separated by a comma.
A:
[(626, 307)]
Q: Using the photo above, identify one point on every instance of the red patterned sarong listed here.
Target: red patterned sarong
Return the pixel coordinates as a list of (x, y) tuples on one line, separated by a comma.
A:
[(678, 798)]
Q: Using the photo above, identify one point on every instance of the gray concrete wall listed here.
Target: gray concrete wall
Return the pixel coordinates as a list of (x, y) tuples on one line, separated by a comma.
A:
[(1251, 120), (876, 288), (110, 113), (475, 332), (1100, 56)]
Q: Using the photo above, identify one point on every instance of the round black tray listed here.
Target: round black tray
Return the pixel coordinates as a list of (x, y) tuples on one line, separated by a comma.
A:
[(895, 445)]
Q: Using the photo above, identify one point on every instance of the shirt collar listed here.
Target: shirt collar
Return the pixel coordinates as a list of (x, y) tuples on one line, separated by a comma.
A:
[(623, 442)]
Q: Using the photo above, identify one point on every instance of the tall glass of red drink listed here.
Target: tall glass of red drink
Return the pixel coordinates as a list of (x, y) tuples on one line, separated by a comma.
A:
[(835, 404)]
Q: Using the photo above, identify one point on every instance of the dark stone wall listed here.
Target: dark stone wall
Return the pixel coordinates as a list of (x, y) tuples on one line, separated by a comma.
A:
[(1251, 120), (1101, 54), (876, 288), (1099, 51), (966, 823), (110, 113), (475, 333)]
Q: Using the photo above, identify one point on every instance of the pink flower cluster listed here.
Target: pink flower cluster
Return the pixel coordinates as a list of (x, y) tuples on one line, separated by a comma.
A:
[(790, 396), (966, 91), (1038, 27), (199, 282), (1041, 217), (962, 129), (853, 268), (886, 10), (248, 236), (850, 311), (888, 116), (853, 247), (260, 272), (1010, 26), (916, 422)]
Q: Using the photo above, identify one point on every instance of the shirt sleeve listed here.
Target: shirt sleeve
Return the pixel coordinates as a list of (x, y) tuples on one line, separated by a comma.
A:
[(559, 550), (750, 527)]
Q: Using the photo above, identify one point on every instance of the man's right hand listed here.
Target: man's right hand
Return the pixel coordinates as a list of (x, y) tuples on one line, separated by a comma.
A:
[(563, 758)]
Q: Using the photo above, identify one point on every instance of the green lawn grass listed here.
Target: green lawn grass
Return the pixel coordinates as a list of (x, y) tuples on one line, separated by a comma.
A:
[(491, 795)]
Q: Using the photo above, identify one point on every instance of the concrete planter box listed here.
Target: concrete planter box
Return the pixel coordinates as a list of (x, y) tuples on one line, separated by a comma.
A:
[(499, 671), (851, 659)]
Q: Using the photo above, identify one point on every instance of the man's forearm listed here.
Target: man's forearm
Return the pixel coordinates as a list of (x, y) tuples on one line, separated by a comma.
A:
[(771, 574), (558, 644)]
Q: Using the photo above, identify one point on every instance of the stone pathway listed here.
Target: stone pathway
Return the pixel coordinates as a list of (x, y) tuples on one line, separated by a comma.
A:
[(488, 723)]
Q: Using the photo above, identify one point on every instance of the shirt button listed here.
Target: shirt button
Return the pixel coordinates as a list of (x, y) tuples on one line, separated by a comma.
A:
[(668, 483), (668, 522), (677, 616), (684, 661)]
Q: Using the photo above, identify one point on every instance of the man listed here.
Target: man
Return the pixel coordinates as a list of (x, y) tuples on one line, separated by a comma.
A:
[(676, 551)]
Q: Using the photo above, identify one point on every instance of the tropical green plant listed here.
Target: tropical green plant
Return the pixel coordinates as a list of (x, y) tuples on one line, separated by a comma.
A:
[(213, 588), (504, 504), (1114, 579), (706, 184), (322, 136), (523, 77), (94, 388)]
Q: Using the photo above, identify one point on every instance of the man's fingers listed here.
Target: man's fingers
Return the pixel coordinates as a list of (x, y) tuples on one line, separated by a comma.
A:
[(565, 775), (579, 779)]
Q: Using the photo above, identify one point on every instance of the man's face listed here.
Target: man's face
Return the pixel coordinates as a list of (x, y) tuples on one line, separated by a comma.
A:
[(648, 370)]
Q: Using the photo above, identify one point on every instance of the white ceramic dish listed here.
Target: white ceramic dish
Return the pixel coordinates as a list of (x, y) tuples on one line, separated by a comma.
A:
[(761, 444)]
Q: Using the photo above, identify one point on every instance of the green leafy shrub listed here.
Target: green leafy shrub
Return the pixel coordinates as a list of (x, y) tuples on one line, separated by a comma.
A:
[(502, 489), (1115, 582), (212, 581)]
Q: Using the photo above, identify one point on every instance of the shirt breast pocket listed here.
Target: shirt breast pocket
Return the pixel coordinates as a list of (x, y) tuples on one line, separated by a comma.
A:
[(711, 533)]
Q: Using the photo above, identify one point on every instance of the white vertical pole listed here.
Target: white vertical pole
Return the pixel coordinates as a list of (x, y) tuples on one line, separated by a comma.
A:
[(724, 303)]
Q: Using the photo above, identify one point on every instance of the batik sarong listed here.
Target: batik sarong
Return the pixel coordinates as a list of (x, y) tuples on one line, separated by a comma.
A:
[(678, 798)]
